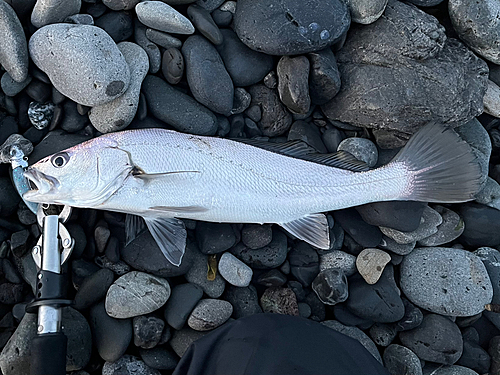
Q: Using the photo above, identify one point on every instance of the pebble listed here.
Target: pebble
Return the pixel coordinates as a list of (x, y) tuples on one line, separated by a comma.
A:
[(162, 17), (128, 365), (279, 300), (255, 236), (209, 5), (184, 114), (426, 3), (93, 289), (182, 301), (304, 263), (428, 226), (39, 91), (207, 76), (40, 115), (448, 370), (364, 234), (182, 339), (290, 28), (338, 259), (234, 271), (172, 65), (163, 39), (308, 133), (269, 256), (276, 120), (80, 19), (101, 236), (214, 238), (446, 281), (491, 260), (489, 194), (204, 23), (331, 286), (293, 85), (324, 76), (450, 229), (411, 319), (380, 302), (118, 25), (147, 331), (437, 339), (120, 4), (370, 264), (151, 49), (159, 358), (399, 360), (82, 61), (126, 297), (198, 275), (9, 199), (490, 99), (482, 37), (72, 121), (482, 225), (474, 357), (209, 314), (272, 277), (361, 148), (241, 102), (111, 336), (53, 11), (13, 50), (222, 18), (366, 12), (119, 113), (19, 242), (245, 301), (396, 248), (271, 80), (383, 334), (11, 87)]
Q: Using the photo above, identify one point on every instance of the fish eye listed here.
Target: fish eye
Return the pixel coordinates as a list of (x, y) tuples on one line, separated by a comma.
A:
[(59, 160)]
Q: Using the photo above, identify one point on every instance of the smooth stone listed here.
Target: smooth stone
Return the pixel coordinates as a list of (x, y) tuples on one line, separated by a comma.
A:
[(480, 36), (255, 236), (72, 121), (437, 339), (332, 137), (82, 61), (446, 281), (93, 289), (428, 226), (361, 148), (118, 25), (198, 275), (482, 225), (204, 23), (383, 334), (8, 126), (338, 259), (234, 271), (53, 11), (450, 229), (101, 236), (14, 49), (119, 113), (276, 119), (80, 19), (448, 370), (245, 301), (10, 87), (182, 339), (163, 39), (184, 114), (370, 264), (121, 4), (491, 260), (364, 234), (272, 277), (209, 314), (172, 65), (279, 300), (331, 286), (159, 358), (182, 301), (324, 76), (147, 331), (222, 18), (344, 316), (128, 365), (270, 256), (308, 133), (162, 17), (404, 216), (136, 293), (209, 5), (380, 56), (207, 76), (412, 318), (151, 49), (214, 238), (489, 194), (290, 28), (356, 334), (399, 359), (293, 85), (19, 243), (491, 99), (304, 263), (474, 357), (366, 12)]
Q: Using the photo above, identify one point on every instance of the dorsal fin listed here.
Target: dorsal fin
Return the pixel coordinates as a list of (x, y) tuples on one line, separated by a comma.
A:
[(300, 150)]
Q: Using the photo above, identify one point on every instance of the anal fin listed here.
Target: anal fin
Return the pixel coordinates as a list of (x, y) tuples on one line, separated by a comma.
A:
[(312, 228), (170, 235), (134, 225)]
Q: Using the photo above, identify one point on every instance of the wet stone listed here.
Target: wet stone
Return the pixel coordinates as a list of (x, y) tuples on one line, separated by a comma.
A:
[(234, 271), (279, 300), (340, 260), (332, 138), (304, 263), (245, 301), (172, 65), (147, 331), (361, 148), (128, 365), (241, 102), (180, 304), (293, 87), (399, 359), (450, 229), (162, 17), (40, 115), (324, 77), (255, 236), (370, 264), (270, 256), (209, 314), (331, 286)]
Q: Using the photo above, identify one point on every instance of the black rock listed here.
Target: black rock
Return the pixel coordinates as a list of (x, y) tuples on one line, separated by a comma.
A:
[(10, 294), (331, 286), (482, 225), (293, 85), (204, 23), (400, 215), (324, 76), (19, 243), (25, 216), (379, 302), (159, 358), (304, 263), (364, 234), (318, 311), (308, 133), (289, 27), (80, 270), (474, 357), (298, 289), (181, 302), (214, 238), (73, 121), (147, 331), (411, 319), (35, 135), (118, 25), (437, 339), (172, 65), (425, 3), (269, 256), (93, 288), (245, 301), (207, 76), (222, 18), (255, 236), (382, 334), (346, 317), (38, 91), (111, 336), (77, 330), (184, 113), (272, 278)]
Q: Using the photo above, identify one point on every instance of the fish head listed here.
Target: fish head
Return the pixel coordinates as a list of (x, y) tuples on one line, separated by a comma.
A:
[(85, 175)]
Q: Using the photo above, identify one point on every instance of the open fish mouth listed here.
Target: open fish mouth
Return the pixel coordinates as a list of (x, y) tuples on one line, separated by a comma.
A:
[(40, 184)]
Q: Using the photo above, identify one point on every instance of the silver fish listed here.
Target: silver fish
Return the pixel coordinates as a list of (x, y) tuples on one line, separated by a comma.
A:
[(164, 176)]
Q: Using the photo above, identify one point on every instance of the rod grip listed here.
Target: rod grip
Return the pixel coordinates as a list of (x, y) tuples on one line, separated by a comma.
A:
[(48, 354)]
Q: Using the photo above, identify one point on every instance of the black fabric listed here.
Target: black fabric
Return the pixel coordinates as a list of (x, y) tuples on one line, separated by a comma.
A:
[(265, 344)]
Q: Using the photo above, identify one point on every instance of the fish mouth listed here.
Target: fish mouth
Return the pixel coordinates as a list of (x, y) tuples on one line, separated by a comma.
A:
[(41, 186)]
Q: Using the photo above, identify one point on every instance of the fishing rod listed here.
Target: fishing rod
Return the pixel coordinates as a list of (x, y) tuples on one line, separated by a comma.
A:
[(48, 348)]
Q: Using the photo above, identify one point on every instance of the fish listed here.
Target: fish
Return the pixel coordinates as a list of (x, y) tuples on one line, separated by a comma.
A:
[(164, 176)]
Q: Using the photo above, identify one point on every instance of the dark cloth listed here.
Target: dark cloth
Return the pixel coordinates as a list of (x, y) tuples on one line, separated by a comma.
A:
[(265, 344)]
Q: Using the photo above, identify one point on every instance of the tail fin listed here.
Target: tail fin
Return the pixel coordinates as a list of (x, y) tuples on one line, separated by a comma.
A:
[(443, 167)]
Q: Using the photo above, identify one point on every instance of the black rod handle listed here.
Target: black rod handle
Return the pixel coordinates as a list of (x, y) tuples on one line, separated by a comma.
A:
[(48, 354)]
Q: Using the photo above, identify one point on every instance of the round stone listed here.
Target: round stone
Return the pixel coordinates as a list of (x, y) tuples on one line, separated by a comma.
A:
[(450, 229), (399, 359), (209, 314), (371, 263), (361, 148), (234, 271), (53, 11), (161, 16), (338, 259), (180, 304), (366, 12)]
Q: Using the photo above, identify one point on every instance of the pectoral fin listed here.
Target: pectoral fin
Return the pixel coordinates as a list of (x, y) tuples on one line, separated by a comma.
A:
[(170, 235), (311, 228)]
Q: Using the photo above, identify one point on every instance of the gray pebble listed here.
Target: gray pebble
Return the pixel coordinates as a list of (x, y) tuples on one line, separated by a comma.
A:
[(204, 23), (11, 87), (151, 49), (128, 365), (209, 5), (163, 39), (366, 12), (255, 236), (399, 360), (383, 334), (446, 281), (172, 65), (491, 260), (308, 133), (93, 288), (120, 4), (450, 229), (222, 18), (82, 61), (449, 370), (489, 194), (331, 286), (388, 243), (136, 293), (182, 339), (159, 358), (53, 11), (180, 304), (293, 84), (234, 271), (361, 148), (80, 19), (270, 256), (118, 25), (162, 17), (338, 259), (197, 274), (119, 113), (209, 314), (214, 238)]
